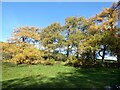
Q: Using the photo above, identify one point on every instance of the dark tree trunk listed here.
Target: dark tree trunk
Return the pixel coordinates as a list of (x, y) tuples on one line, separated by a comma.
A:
[(68, 50), (118, 60), (94, 55), (77, 55), (103, 54), (23, 39), (102, 50), (77, 52), (88, 56)]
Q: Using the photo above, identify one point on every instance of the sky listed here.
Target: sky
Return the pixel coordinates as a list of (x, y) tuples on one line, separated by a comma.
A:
[(42, 14)]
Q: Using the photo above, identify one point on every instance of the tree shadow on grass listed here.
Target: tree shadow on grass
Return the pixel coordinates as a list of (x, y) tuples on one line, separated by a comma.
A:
[(79, 78)]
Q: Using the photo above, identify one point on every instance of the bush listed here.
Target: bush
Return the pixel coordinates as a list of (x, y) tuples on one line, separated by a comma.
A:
[(71, 60), (49, 62), (28, 56), (60, 57), (59, 62)]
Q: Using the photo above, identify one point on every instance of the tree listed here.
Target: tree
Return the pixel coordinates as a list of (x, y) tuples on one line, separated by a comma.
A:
[(115, 47), (51, 39), (72, 35), (26, 35), (107, 20)]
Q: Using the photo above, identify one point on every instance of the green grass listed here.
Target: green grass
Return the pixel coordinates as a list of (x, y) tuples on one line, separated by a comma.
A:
[(57, 76)]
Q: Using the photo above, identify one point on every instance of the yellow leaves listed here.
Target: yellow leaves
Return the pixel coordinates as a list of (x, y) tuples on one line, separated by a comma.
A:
[(71, 21), (93, 29), (106, 10), (50, 36), (105, 27), (99, 19), (22, 53), (28, 56), (28, 32)]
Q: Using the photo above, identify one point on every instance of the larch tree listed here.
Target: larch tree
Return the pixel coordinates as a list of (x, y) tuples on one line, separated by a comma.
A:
[(107, 20), (73, 35), (26, 35), (51, 39)]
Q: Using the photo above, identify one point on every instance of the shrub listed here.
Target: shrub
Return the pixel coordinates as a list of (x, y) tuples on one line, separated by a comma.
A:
[(49, 62), (60, 57), (71, 60), (29, 55)]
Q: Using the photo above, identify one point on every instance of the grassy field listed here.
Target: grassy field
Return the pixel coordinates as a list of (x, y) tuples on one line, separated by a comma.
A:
[(57, 76)]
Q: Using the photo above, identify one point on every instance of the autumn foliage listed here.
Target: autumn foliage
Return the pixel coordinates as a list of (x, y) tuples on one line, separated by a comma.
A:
[(77, 42)]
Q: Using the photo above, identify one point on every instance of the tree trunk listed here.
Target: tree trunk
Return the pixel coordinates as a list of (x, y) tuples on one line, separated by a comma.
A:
[(68, 50), (118, 60), (23, 39), (77, 52), (103, 56), (77, 55), (94, 55)]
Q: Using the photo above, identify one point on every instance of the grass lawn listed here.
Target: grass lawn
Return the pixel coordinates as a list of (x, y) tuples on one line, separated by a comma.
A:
[(57, 76)]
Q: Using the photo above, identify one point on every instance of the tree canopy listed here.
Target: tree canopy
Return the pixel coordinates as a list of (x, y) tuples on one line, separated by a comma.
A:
[(78, 41)]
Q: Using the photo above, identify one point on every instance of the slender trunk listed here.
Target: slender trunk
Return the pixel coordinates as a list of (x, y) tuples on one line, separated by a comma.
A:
[(68, 50), (94, 55), (68, 45), (103, 55), (118, 60), (88, 55), (102, 50), (77, 52), (23, 39), (77, 55)]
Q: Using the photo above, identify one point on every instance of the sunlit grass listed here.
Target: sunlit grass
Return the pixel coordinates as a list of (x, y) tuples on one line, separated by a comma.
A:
[(14, 71), (57, 76)]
